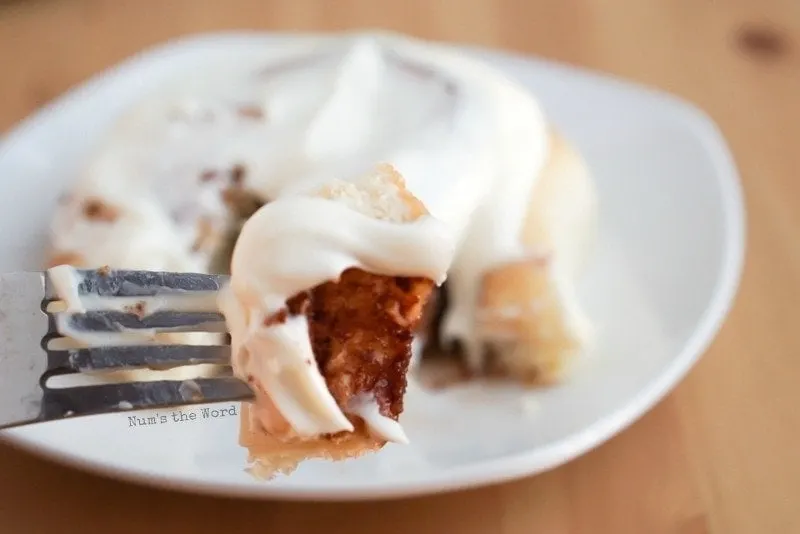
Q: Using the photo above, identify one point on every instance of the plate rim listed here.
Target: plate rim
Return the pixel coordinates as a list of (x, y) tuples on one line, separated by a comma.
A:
[(508, 467)]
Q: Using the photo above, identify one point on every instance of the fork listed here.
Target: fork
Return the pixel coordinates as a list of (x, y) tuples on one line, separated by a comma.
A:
[(117, 308)]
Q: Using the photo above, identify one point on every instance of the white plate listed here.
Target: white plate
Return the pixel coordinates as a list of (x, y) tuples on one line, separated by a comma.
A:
[(665, 273)]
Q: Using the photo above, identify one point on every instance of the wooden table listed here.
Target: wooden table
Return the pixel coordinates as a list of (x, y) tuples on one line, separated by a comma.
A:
[(718, 455)]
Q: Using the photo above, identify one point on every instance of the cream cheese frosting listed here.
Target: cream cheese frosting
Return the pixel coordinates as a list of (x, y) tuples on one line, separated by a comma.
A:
[(469, 142)]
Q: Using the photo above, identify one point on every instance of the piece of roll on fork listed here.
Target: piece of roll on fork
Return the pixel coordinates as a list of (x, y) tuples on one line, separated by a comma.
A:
[(360, 328)]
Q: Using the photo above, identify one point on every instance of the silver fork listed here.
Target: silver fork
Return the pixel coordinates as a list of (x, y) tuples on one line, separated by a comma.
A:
[(27, 330)]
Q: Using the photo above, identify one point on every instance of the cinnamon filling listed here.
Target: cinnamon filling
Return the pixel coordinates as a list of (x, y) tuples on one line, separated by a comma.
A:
[(361, 328)]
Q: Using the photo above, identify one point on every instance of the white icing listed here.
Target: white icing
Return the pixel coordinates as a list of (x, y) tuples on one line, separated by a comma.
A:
[(282, 360), (366, 407), (468, 141), (65, 282)]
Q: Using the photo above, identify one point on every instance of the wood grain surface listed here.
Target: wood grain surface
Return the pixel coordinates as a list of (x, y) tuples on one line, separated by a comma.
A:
[(719, 455)]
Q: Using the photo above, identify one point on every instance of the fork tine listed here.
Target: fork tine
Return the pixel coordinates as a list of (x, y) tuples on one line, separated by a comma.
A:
[(133, 357), (87, 400), (126, 283), (172, 321)]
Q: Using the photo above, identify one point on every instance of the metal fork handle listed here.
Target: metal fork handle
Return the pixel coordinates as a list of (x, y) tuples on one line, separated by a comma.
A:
[(22, 358)]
